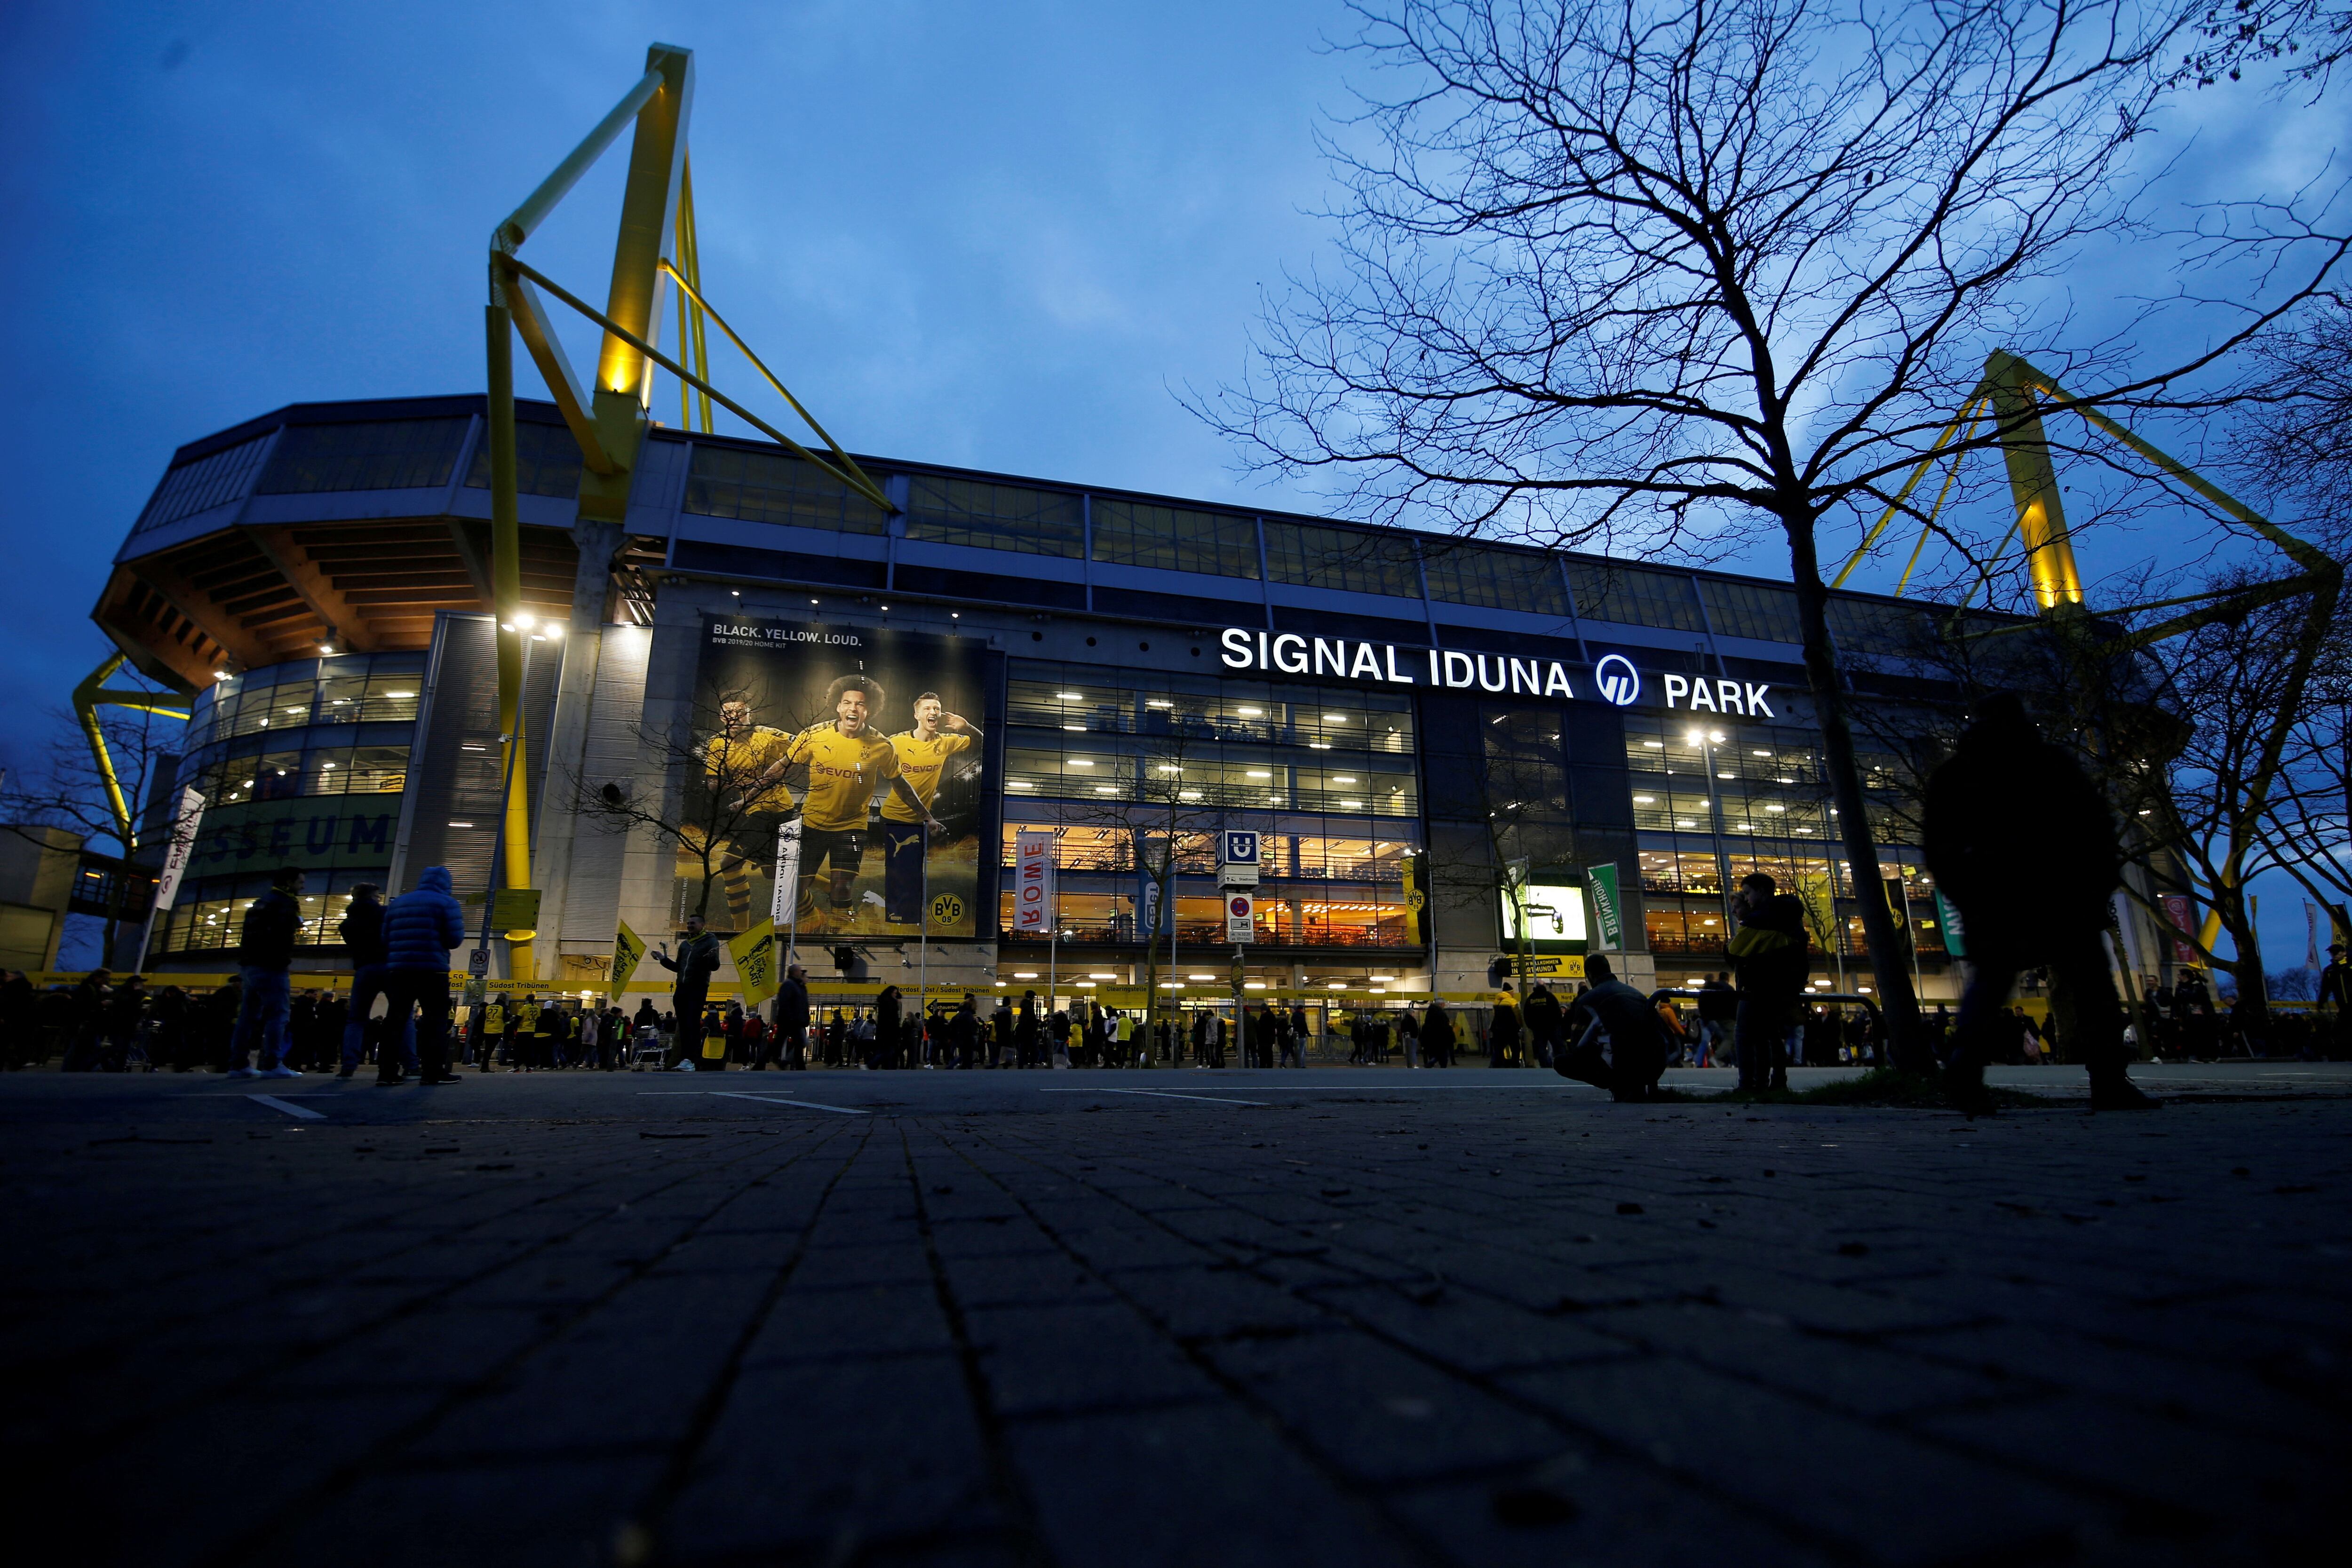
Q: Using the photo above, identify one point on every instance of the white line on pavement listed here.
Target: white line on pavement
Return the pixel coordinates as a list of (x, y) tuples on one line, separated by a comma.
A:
[(778, 1099), (287, 1106), (1157, 1094)]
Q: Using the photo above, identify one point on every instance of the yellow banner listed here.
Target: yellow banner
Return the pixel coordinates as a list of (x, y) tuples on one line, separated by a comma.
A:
[(754, 954), (629, 949), (1821, 907)]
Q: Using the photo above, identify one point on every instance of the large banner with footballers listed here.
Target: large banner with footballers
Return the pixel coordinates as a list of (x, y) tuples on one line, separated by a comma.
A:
[(874, 742)]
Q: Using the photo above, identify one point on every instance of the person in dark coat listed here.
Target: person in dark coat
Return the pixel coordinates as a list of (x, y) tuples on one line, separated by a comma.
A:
[(419, 930), (362, 929), (2023, 845), (793, 1020), (1636, 1056), (265, 955), (1545, 1018), (697, 962), (1770, 955), (1437, 1036)]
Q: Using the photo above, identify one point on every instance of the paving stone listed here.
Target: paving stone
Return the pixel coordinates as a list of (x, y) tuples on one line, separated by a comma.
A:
[(987, 1324)]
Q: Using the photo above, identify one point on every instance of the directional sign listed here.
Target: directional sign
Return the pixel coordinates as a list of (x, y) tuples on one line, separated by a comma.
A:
[(1237, 858)]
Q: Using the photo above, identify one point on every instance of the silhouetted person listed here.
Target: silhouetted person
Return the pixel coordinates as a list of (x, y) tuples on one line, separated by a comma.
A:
[(697, 962), (1636, 1056), (420, 927), (1770, 955), (2023, 845)]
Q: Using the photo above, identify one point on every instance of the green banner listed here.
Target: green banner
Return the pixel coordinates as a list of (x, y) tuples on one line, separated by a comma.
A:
[(1955, 939), (1608, 916)]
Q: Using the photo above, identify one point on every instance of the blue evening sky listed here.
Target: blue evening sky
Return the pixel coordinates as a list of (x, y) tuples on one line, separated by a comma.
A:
[(999, 235)]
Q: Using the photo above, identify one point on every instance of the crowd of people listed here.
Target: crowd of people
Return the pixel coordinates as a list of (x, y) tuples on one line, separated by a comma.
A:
[(2016, 834)]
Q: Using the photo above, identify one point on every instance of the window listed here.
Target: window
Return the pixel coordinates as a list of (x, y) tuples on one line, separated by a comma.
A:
[(1634, 596), (1751, 610), (202, 484), (1466, 573), (996, 516), (1136, 533), (383, 455), (547, 461), (1861, 626), (775, 486), (1311, 555)]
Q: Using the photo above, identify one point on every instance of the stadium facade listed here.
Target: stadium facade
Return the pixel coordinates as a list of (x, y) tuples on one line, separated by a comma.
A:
[(1399, 716)]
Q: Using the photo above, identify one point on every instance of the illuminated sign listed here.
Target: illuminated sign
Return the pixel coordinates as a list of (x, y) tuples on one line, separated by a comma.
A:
[(1554, 913), (1615, 681)]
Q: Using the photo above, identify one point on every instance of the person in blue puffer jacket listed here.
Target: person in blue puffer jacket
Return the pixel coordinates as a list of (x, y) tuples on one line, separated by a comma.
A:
[(419, 929)]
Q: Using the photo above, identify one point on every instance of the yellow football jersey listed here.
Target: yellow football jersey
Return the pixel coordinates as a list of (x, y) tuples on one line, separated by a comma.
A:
[(733, 764), (843, 773), (920, 763)]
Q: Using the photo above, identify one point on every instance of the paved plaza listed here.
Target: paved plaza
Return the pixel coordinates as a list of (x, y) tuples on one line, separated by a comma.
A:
[(1133, 1318)]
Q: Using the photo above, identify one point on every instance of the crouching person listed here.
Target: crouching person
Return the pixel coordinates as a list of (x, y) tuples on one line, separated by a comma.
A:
[(1635, 1058)]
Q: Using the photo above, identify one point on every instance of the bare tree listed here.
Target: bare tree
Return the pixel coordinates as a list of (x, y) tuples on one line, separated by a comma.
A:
[(1166, 813), (1644, 274), (708, 785), (66, 789), (2308, 38)]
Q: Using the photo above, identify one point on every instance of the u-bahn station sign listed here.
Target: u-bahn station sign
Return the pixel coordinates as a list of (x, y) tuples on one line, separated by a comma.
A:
[(1615, 679)]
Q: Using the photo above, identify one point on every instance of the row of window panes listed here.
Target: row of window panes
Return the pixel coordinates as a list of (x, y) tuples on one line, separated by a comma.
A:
[(320, 768), (1313, 857), (1199, 783), (339, 697), (1694, 870), (219, 924), (774, 487), (374, 455), (1317, 718), (1201, 921), (547, 461)]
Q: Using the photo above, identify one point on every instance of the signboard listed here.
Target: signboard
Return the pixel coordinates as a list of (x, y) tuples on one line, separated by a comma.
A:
[(1237, 858), (477, 962), (1608, 919), (515, 912), (859, 735), (1615, 681), (1241, 917), (1549, 965), (1033, 882), (629, 951), (183, 844), (754, 954), (1554, 913)]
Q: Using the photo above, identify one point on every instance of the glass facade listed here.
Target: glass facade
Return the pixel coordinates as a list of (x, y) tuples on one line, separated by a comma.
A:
[(762, 486), (996, 516), (377, 455), (1362, 562), (1326, 775), (547, 461), (1175, 539), (303, 764)]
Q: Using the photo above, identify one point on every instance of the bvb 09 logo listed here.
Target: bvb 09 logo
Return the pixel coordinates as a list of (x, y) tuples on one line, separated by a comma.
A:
[(946, 910)]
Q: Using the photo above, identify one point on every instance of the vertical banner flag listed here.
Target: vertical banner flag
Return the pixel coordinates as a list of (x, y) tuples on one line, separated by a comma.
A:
[(1153, 916), (1814, 891), (184, 842), (1956, 941), (1609, 924), (1416, 899), (1033, 882), (629, 949), (1241, 917), (754, 954), (2176, 910), (788, 873)]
